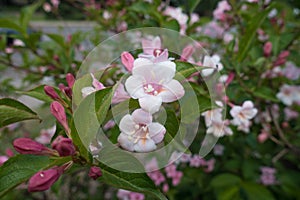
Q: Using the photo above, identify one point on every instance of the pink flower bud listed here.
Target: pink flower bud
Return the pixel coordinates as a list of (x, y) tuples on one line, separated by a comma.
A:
[(284, 54), (95, 172), (64, 146), (70, 79), (59, 113), (127, 60), (230, 78), (43, 180), (61, 87), (187, 52), (68, 92), (51, 92), (267, 49), (262, 137), (29, 146)]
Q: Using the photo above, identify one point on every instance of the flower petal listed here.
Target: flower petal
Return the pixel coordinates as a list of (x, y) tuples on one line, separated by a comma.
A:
[(172, 91), (140, 116), (127, 125), (150, 103), (125, 142), (156, 132), (144, 145), (134, 86), (87, 91)]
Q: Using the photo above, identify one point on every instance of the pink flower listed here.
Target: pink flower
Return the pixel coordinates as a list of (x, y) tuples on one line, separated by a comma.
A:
[(197, 161), (29, 146), (218, 149), (96, 85), (165, 188), (153, 83), (3, 159), (181, 17), (268, 176), (47, 7), (128, 195), (242, 115), (213, 30), (170, 170), (176, 178), (262, 137), (120, 95), (127, 60), (55, 3), (43, 180), (210, 165), (267, 49), (46, 135), (222, 7), (58, 112), (219, 128), (51, 92), (289, 94), (187, 52), (213, 63), (290, 114), (153, 50), (291, 71), (139, 133), (157, 177), (95, 172), (64, 146), (70, 80)]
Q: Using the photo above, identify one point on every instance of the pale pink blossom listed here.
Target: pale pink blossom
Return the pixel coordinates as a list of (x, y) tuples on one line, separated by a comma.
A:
[(290, 114), (219, 128), (213, 30), (197, 161), (213, 115), (213, 63), (18, 43), (176, 13), (139, 133), (128, 195), (152, 50), (55, 3), (210, 165), (120, 94), (291, 71), (289, 94), (157, 177), (3, 159), (96, 85), (242, 115), (46, 135), (153, 83), (220, 12), (268, 176), (218, 149), (47, 7)]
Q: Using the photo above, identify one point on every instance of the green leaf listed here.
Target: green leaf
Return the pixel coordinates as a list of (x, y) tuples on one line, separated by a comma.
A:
[(266, 93), (225, 180), (185, 69), (59, 39), (255, 191), (12, 111), (137, 182), (229, 193), (5, 23), (102, 103), (192, 4), (26, 14), (38, 93), (252, 26), (171, 24), (21, 167)]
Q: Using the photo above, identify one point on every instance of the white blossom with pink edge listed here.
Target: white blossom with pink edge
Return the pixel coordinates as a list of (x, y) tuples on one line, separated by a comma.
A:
[(289, 94), (139, 133), (213, 63), (152, 50), (242, 115), (153, 83), (96, 85)]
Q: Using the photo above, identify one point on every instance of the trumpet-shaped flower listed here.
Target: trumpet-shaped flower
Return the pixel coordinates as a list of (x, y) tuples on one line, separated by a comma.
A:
[(213, 63), (139, 133), (152, 50), (153, 83)]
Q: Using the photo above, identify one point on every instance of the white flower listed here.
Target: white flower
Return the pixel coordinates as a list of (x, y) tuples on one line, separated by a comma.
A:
[(213, 63), (289, 94), (139, 133), (219, 128), (153, 83), (242, 115), (213, 115)]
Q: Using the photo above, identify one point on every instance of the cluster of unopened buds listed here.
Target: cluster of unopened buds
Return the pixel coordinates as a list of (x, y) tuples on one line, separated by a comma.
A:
[(61, 146)]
